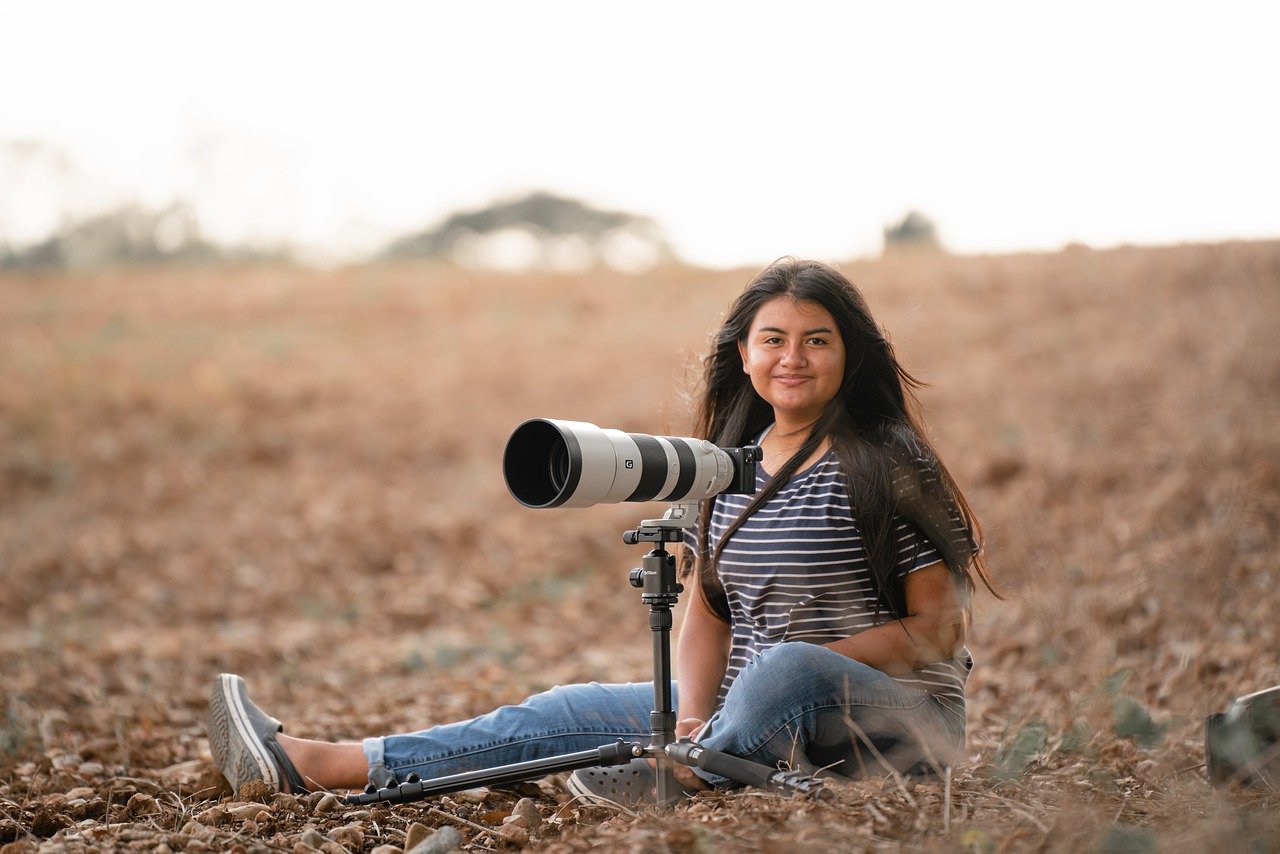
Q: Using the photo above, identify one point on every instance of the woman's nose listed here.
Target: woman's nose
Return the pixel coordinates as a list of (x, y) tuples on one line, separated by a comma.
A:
[(793, 357)]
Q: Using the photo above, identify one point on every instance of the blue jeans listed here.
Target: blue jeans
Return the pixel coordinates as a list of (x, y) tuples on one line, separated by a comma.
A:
[(797, 705)]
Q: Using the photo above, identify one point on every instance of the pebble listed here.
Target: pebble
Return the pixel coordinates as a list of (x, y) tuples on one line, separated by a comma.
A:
[(513, 833), (81, 792), (528, 810), (415, 834), (444, 840), (386, 849), (517, 821), (473, 796), (349, 835), (312, 837), (287, 803), (91, 769), (328, 803), (214, 816), (66, 761), (240, 812)]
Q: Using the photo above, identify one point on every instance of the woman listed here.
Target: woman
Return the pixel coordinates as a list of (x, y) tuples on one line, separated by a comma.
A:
[(826, 629)]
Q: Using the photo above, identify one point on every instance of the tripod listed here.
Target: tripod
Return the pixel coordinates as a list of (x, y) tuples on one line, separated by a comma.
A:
[(657, 579)]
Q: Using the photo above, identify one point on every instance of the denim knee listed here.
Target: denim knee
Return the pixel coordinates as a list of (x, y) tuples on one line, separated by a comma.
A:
[(803, 676)]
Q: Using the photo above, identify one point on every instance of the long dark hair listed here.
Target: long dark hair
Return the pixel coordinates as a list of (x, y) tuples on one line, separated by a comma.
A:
[(873, 422)]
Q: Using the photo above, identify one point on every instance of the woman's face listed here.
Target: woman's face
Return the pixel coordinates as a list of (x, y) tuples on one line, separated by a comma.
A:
[(795, 357)]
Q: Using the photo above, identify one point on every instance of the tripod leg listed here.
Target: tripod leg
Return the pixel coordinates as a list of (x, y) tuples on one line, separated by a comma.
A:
[(745, 771), (618, 753)]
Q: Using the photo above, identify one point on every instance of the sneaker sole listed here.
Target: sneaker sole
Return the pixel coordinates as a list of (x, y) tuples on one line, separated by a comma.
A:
[(235, 744)]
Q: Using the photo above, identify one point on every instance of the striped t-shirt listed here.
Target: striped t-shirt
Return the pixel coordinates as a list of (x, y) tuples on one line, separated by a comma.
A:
[(796, 571)]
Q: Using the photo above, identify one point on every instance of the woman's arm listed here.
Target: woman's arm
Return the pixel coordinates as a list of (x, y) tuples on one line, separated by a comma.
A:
[(702, 656), (932, 630)]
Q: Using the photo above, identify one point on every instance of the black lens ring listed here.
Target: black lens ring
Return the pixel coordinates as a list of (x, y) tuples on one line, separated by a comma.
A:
[(688, 469), (653, 467)]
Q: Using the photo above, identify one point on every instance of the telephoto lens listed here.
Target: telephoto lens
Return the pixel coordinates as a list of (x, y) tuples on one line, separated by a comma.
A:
[(552, 463)]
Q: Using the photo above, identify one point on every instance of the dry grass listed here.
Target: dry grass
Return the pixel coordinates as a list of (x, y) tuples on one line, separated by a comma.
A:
[(295, 475)]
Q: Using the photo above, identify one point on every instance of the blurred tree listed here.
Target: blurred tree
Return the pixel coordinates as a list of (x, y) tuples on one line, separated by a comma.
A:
[(540, 230), (913, 231), (129, 234)]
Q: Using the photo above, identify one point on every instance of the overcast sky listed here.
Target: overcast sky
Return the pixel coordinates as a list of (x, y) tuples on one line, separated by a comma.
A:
[(747, 130)]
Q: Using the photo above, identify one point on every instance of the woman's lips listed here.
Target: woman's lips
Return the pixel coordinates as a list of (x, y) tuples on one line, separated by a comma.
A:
[(790, 379)]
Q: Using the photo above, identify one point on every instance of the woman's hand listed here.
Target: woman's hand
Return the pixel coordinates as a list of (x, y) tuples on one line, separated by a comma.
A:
[(689, 728)]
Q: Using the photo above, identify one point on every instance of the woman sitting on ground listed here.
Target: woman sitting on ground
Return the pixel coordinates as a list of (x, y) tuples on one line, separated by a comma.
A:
[(826, 628)]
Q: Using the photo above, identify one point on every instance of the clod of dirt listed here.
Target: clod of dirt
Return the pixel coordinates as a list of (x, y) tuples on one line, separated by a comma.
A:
[(141, 804), (47, 823), (255, 790)]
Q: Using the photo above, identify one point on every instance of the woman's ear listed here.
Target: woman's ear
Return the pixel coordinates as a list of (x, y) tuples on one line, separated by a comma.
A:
[(742, 351)]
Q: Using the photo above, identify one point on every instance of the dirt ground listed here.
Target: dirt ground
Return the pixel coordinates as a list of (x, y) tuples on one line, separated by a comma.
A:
[(295, 476)]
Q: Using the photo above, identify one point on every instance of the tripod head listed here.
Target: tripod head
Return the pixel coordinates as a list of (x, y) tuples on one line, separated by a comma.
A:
[(680, 516)]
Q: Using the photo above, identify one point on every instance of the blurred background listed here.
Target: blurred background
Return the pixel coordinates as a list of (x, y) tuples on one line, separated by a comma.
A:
[(727, 133), (277, 280)]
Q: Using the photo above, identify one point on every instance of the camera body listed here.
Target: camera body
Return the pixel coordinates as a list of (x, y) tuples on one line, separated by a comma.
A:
[(1242, 744), (554, 463)]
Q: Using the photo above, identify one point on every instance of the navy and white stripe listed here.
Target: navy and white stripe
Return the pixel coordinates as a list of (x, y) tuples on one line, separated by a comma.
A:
[(796, 571)]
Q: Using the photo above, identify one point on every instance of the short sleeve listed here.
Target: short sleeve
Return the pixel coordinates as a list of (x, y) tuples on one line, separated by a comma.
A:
[(915, 550)]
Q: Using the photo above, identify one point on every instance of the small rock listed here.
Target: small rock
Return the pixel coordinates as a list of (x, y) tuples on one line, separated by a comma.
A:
[(141, 804), (312, 838), (286, 803), (310, 801), (349, 836), (329, 803), (250, 826), (91, 769), (21, 846), (66, 761), (444, 840), (473, 796), (81, 792), (213, 816), (162, 849), (528, 810), (517, 820), (262, 817), (192, 828), (415, 834), (331, 847), (386, 849), (255, 790), (240, 812), (513, 833)]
